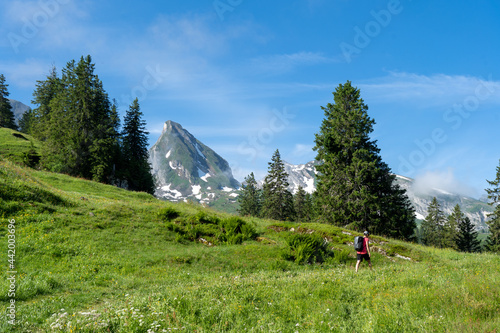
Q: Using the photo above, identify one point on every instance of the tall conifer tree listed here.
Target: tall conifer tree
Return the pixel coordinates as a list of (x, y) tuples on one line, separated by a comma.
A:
[(250, 197), (355, 187), (450, 228), (6, 115), (75, 119), (277, 199), (27, 121), (302, 204), (466, 238), (135, 151), (493, 240), (432, 226)]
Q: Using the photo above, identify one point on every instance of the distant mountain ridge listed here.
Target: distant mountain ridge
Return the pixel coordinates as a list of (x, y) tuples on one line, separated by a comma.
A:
[(305, 175), (184, 168), (18, 109)]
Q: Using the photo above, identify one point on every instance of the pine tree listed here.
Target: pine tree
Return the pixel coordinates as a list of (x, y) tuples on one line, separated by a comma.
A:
[(466, 238), (6, 115), (277, 199), (302, 205), (432, 226), (74, 118), (450, 228), (44, 93), (250, 197), (493, 240), (135, 151), (354, 186), (27, 121)]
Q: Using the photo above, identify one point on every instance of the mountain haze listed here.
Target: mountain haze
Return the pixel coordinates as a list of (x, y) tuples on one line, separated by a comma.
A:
[(305, 175)]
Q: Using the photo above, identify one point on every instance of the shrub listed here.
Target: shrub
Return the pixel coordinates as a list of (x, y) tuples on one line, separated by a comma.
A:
[(237, 230), (167, 213), (306, 248)]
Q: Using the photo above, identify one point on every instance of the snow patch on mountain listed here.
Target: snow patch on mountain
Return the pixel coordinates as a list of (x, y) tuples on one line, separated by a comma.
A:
[(204, 178), (170, 194), (172, 166)]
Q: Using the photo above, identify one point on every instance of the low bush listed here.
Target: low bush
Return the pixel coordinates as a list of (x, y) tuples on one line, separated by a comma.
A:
[(306, 248)]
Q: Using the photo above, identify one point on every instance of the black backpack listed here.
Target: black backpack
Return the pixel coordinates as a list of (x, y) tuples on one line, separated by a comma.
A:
[(358, 243)]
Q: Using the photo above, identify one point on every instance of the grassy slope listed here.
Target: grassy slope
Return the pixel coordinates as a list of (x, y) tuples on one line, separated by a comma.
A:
[(12, 147), (92, 257)]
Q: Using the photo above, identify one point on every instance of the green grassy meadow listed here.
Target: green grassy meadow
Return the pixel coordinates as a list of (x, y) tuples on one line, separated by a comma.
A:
[(95, 258)]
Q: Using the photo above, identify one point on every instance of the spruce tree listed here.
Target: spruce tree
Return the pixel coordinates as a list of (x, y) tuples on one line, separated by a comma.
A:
[(135, 151), (302, 204), (466, 238), (45, 92), (277, 199), (75, 120), (6, 115), (432, 226), (450, 228), (493, 240), (27, 121), (250, 197), (354, 186)]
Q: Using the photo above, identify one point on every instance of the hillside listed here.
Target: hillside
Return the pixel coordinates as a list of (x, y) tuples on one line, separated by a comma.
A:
[(96, 258)]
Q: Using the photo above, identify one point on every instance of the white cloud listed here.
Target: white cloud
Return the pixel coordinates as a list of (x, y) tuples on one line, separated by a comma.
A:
[(442, 180), (303, 151), (24, 74), (431, 91)]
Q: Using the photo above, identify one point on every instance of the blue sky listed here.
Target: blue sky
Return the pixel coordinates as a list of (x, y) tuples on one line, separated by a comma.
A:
[(249, 77)]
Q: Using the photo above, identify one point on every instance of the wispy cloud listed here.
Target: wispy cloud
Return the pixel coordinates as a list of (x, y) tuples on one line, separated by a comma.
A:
[(442, 180), (427, 91), (283, 63), (24, 74)]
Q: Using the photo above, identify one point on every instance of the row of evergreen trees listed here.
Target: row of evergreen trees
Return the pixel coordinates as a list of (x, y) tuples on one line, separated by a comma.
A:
[(274, 200), (80, 129), (354, 186), (455, 231)]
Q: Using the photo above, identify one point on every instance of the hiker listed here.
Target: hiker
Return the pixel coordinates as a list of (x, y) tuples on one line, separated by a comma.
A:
[(365, 252)]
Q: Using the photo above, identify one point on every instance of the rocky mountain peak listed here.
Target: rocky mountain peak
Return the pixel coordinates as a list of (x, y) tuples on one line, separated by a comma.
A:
[(184, 167)]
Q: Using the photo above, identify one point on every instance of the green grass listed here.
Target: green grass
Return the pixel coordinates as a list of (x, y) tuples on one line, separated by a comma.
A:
[(95, 258), (14, 145)]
